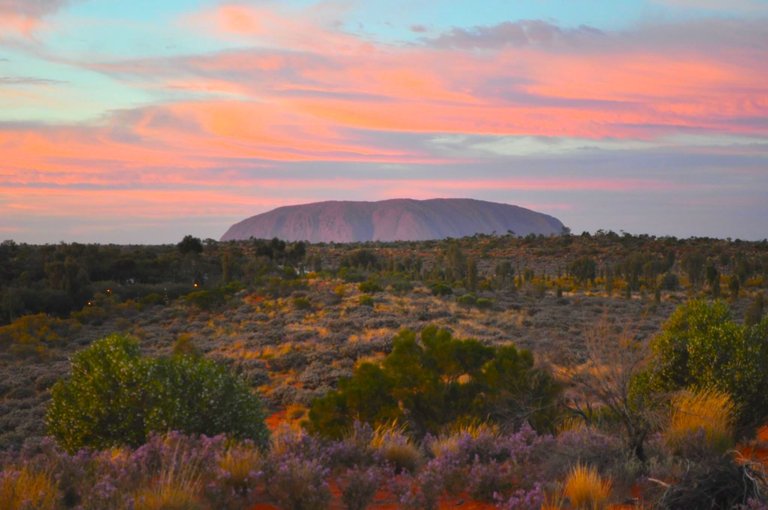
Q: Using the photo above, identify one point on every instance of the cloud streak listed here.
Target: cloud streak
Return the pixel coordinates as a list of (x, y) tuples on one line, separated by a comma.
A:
[(290, 105)]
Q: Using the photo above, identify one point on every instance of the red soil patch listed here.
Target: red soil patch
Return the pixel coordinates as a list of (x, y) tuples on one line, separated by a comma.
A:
[(756, 450), (273, 421)]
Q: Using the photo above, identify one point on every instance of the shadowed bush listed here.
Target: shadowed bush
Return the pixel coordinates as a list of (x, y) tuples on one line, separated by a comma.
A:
[(435, 381)]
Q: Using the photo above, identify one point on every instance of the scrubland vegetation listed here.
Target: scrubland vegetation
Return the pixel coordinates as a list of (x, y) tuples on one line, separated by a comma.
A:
[(591, 371)]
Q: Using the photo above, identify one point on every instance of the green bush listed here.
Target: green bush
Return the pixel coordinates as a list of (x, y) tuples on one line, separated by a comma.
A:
[(32, 335), (467, 300), (484, 303), (369, 287), (115, 396), (302, 303), (434, 381), (440, 289), (701, 346), (366, 300)]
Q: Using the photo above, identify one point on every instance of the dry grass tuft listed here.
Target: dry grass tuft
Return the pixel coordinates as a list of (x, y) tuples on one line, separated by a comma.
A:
[(695, 411), (240, 463), (22, 489), (450, 443), (177, 487), (586, 489), (396, 448)]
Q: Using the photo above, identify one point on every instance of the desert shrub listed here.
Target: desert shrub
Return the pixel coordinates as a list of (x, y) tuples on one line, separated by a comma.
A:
[(199, 396), (401, 286), (366, 300), (484, 303), (716, 484), (206, 299), (526, 499), (369, 287), (295, 473), (669, 281), (440, 289), (395, 448), (115, 396), (185, 346), (585, 488), (485, 480), (467, 300), (33, 335), (301, 303), (586, 445), (435, 381), (24, 489), (708, 413), (359, 486), (700, 346), (240, 471)]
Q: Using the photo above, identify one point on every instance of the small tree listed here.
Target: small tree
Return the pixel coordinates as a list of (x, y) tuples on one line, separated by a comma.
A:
[(700, 346), (609, 375), (190, 244), (434, 380), (115, 396)]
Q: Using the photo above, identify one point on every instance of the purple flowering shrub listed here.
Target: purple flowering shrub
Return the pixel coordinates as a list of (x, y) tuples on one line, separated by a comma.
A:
[(175, 470), (359, 486), (296, 472)]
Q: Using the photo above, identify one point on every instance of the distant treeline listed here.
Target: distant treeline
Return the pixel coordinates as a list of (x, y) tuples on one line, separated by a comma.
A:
[(62, 278)]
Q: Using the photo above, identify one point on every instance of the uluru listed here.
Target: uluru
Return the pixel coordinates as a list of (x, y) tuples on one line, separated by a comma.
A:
[(392, 220)]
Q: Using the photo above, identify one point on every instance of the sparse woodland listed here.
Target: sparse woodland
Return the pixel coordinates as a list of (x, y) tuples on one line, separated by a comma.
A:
[(579, 371)]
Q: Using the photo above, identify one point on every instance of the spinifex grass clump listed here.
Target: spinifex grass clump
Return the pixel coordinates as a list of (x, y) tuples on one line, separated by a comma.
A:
[(707, 412), (25, 489), (586, 489), (395, 448)]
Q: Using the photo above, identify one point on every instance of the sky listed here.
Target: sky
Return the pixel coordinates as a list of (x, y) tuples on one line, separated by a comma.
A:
[(142, 121)]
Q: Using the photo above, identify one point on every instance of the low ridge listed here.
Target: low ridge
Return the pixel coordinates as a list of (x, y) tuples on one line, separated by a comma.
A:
[(392, 220)]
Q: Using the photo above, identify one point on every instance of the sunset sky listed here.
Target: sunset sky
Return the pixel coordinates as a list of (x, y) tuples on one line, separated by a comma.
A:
[(141, 121)]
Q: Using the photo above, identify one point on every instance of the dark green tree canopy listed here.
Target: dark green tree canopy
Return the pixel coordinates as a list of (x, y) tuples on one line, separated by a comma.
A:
[(190, 244), (433, 380)]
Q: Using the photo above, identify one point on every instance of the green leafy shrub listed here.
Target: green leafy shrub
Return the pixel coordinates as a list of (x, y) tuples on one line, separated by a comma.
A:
[(369, 287), (206, 299), (32, 335), (301, 303), (701, 346), (115, 396), (440, 289), (366, 300), (484, 303), (467, 300), (433, 381)]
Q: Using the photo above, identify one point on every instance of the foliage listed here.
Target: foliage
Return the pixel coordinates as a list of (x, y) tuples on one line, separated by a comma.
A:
[(585, 488), (115, 396), (369, 287), (396, 449), (360, 486), (296, 475), (435, 380), (716, 484), (583, 269), (709, 411), (33, 334), (24, 489), (701, 346), (190, 244)]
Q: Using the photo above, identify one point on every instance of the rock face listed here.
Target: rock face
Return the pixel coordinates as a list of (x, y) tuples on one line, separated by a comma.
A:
[(392, 220)]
